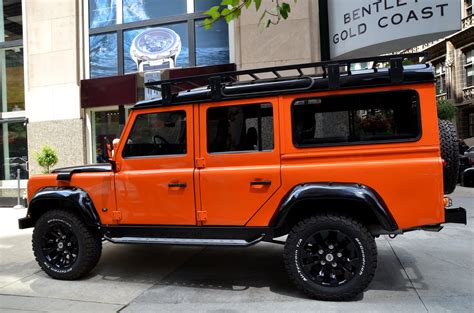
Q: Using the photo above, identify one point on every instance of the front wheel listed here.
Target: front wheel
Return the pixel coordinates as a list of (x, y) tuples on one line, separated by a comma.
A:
[(330, 257), (64, 247)]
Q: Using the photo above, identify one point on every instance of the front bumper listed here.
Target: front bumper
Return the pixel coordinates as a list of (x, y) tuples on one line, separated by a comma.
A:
[(25, 222), (455, 215)]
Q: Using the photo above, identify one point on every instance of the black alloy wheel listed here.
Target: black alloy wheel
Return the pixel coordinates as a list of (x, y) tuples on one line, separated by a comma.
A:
[(64, 246), (59, 245), (330, 257)]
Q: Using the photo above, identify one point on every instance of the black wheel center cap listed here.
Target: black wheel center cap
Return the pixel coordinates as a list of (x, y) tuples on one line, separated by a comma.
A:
[(329, 257), (60, 245)]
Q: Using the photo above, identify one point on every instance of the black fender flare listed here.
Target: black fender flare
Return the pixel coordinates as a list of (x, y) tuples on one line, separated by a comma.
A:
[(335, 191), (76, 198)]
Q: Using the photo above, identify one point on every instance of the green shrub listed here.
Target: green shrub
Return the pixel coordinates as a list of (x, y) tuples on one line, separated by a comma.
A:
[(446, 111), (46, 158)]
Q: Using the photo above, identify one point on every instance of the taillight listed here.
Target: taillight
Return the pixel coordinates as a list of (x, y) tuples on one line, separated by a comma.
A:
[(444, 162)]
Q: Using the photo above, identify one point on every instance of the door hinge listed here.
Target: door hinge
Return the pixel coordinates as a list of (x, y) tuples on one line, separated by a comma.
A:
[(202, 216), (116, 215), (200, 163)]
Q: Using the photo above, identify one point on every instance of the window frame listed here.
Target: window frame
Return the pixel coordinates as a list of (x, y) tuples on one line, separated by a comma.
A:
[(357, 143), (468, 65), (157, 156), (440, 77), (190, 19), (241, 151)]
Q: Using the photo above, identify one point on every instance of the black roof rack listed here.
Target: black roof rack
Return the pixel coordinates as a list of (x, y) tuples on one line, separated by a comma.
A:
[(295, 78)]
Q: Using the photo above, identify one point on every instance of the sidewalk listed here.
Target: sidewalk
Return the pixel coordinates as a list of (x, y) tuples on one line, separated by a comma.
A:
[(417, 272)]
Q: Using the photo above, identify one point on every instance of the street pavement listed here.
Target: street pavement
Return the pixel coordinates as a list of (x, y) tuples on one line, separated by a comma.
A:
[(417, 272)]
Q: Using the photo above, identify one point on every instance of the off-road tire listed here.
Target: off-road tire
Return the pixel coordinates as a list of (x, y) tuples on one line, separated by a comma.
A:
[(88, 241), (354, 231), (448, 140)]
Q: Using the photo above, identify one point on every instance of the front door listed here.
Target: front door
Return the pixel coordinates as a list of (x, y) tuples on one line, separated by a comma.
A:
[(239, 159), (155, 160)]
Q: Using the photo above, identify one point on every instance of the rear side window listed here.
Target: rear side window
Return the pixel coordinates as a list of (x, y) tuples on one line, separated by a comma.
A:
[(240, 128), (157, 134), (356, 119)]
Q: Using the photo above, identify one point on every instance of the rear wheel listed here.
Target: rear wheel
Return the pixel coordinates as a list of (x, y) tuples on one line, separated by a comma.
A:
[(450, 154), (64, 247), (330, 257)]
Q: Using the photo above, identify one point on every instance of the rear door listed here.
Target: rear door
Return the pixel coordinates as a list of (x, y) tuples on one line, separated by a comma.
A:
[(239, 159)]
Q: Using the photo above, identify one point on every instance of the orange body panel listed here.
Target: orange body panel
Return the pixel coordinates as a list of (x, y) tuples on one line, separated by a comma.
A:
[(407, 175), (143, 194), (226, 192), (99, 186)]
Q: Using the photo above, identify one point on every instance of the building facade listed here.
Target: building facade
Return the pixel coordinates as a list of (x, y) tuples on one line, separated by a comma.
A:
[(453, 60), (50, 48)]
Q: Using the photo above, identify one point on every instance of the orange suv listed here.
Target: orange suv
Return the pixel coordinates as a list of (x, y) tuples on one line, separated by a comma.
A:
[(327, 156)]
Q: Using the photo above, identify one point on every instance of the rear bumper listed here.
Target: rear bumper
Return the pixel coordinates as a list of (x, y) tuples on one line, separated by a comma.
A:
[(456, 215)]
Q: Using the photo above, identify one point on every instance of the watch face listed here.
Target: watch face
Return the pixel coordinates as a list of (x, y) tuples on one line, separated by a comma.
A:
[(155, 44)]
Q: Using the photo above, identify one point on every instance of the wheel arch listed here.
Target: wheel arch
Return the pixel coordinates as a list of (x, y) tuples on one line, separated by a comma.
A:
[(69, 198), (356, 200)]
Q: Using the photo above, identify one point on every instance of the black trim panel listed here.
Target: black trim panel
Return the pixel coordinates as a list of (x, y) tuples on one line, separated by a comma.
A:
[(74, 197), (335, 191), (65, 173), (457, 216), (196, 232)]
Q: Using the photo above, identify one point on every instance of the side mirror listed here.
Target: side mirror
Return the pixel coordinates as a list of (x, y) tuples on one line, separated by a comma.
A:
[(115, 144)]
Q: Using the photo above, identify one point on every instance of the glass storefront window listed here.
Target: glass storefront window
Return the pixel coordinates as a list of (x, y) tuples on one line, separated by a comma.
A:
[(102, 13), (105, 126), (212, 45), (12, 91), (103, 55), (13, 151), (204, 5), (140, 10), (151, 44), (10, 21)]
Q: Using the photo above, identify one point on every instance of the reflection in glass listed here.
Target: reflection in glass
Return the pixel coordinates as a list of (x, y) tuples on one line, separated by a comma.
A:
[(102, 13), (204, 5), (212, 45), (140, 10), (105, 125), (10, 21), (12, 89), (13, 151), (103, 55), (129, 36)]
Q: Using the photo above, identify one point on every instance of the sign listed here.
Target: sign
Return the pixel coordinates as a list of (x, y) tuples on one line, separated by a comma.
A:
[(359, 28)]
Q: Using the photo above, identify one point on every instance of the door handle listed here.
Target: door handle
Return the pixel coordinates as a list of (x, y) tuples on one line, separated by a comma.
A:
[(261, 183), (177, 185)]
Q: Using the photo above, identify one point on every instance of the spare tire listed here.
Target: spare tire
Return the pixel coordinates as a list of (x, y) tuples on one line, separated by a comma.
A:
[(450, 154)]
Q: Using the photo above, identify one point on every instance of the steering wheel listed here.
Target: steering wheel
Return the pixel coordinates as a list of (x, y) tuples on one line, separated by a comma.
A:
[(161, 140)]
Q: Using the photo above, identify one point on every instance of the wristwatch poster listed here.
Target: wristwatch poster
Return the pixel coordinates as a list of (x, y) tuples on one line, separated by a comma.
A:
[(155, 49)]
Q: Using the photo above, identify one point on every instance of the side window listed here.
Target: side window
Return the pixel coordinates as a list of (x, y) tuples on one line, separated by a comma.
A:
[(240, 128), (157, 134), (357, 118)]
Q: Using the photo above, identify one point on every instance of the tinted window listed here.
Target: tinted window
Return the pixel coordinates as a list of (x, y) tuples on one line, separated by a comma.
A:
[(157, 134), (356, 118), (141, 10), (240, 128)]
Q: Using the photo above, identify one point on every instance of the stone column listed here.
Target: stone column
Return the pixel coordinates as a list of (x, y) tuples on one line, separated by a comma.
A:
[(53, 57)]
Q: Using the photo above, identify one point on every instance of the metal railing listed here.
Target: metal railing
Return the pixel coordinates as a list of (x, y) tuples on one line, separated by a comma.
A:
[(467, 21), (468, 93)]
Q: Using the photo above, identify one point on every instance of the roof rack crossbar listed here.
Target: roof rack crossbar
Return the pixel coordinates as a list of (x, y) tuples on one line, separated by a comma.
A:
[(330, 70)]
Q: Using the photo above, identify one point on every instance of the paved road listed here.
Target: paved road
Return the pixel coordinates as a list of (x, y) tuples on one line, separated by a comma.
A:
[(417, 272)]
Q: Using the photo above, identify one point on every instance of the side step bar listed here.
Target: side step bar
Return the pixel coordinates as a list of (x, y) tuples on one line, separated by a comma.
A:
[(186, 241)]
